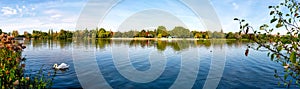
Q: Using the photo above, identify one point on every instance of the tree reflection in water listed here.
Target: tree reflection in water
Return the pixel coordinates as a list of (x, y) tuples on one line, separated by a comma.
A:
[(161, 45)]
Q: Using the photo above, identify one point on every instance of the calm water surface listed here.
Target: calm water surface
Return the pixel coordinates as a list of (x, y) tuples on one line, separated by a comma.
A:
[(254, 71)]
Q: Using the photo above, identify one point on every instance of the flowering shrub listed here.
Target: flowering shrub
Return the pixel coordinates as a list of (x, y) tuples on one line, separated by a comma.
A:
[(12, 67)]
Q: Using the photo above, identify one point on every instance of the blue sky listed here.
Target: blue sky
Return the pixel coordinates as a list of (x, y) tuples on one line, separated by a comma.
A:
[(26, 15)]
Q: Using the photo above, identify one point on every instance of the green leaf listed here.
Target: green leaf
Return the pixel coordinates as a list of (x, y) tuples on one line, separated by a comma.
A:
[(270, 6), (275, 75), (281, 3), (293, 57), (285, 76), (287, 15), (279, 25), (246, 24), (273, 20), (279, 48), (284, 64), (272, 57), (261, 28), (280, 13), (235, 19), (272, 12), (285, 84)]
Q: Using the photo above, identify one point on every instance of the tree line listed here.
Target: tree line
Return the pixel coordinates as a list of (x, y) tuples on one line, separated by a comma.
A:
[(159, 32)]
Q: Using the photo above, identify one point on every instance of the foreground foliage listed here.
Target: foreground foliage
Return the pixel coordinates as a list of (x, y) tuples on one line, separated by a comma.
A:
[(284, 48), (12, 67)]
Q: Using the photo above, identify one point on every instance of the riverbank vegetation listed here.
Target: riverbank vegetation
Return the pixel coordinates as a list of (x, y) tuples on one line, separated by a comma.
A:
[(160, 32), (13, 67)]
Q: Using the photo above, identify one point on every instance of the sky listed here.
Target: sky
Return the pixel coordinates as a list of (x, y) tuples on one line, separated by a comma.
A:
[(28, 15)]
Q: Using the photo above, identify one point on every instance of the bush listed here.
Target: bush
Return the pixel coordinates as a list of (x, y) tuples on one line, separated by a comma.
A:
[(12, 67)]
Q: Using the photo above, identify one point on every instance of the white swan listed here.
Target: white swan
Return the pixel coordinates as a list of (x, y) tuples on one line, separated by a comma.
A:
[(61, 66)]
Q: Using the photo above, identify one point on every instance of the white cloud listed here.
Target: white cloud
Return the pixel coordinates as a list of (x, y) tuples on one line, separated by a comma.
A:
[(19, 9), (51, 11), (235, 6), (55, 16), (70, 19), (40, 16), (7, 11), (36, 25)]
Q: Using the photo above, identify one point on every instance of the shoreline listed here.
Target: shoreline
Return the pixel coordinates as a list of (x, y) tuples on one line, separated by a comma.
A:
[(156, 39), (168, 39), (162, 39)]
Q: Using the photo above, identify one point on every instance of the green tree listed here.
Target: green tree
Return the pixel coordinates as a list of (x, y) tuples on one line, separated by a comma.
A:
[(208, 34), (216, 34), (94, 34), (238, 35), (163, 31), (15, 33), (101, 33), (86, 33), (284, 48), (39, 35), (198, 35), (27, 35), (129, 34), (151, 34), (180, 32), (159, 36), (63, 34), (142, 34), (117, 34), (51, 34), (104, 34), (230, 35)]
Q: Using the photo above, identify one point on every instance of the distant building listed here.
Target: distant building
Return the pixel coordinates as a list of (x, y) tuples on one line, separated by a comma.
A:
[(20, 38)]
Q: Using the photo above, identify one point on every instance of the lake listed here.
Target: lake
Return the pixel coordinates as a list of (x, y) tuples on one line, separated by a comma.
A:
[(136, 64)]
